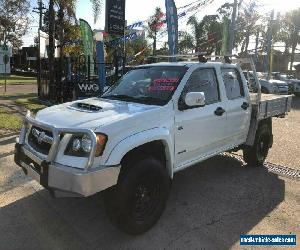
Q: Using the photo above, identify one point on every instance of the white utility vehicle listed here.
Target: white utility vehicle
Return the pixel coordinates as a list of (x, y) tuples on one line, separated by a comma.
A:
[(156, 120)]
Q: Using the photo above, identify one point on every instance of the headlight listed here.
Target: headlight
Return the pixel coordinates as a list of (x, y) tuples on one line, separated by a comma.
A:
[(76, 145), (81, 146), (86, 144)]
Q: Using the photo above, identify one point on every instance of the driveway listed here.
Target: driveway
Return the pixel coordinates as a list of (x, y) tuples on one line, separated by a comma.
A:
[(210, 205)]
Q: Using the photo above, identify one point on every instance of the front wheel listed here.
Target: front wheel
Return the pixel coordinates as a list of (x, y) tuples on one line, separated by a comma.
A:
[(256, 155), (140, 196)]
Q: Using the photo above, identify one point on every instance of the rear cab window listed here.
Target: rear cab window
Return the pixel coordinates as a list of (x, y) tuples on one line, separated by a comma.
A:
[(233, 83)]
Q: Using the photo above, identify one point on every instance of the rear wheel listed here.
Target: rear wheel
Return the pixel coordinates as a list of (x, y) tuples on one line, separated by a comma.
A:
[(256, 155), (140, 196)]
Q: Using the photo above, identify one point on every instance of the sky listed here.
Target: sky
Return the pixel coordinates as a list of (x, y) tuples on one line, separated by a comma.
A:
[(139, 10)]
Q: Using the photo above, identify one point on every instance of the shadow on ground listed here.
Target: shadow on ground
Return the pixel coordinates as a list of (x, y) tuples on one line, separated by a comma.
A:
[(210, 205)]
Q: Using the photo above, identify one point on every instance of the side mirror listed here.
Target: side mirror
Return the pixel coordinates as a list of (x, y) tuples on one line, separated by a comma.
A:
[(194, 99)]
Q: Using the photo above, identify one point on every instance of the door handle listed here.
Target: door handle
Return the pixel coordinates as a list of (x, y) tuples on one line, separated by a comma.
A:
[(219, 111), (245, 105)]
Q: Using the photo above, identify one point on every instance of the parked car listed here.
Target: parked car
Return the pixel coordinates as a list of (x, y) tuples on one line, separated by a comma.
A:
[(267, 86), (289, 79), (274, 87), (297, 88), (155, 121)]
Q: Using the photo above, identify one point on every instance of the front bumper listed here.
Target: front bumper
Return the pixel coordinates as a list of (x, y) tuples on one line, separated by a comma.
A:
[(64, 181)]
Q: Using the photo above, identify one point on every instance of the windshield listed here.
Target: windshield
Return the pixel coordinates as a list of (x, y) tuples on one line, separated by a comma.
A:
[(148, 85)]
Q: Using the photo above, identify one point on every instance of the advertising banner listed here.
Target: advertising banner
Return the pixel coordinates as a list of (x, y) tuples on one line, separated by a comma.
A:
[(172, 23), (88, 42)]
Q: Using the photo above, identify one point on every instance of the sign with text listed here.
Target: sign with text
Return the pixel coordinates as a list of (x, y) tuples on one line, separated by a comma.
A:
[(172, 23), (115, 17)]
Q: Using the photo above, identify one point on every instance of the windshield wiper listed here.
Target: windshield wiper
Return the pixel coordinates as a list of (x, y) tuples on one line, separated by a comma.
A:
[(150, 100), (141, 99), (120, 97)]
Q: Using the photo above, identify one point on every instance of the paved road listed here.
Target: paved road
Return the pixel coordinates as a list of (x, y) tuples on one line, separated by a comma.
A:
[(209, 207), (286, 148), (22, 88)]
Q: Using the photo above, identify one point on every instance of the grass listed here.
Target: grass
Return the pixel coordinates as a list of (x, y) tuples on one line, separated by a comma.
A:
[(31, 103), (14, 80), (9, 121), (14, 96)]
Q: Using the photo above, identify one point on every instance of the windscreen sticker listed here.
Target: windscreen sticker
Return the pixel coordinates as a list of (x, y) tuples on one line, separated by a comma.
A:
[(164, 84)]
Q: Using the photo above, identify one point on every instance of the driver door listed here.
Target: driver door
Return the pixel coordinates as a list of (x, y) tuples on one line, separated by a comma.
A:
[(200, 131)]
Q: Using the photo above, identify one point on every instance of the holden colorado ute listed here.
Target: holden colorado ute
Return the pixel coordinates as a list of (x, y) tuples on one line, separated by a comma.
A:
[(156, 120)]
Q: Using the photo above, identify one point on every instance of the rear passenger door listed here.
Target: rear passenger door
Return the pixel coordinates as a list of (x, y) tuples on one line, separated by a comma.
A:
[(238, 106)]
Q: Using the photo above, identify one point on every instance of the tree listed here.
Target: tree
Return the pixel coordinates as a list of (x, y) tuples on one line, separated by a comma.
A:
[(97, 7), (186, 42), (65, 14), (207, 33), (294, 18), (13, 21), (154, 26), (247, 25)]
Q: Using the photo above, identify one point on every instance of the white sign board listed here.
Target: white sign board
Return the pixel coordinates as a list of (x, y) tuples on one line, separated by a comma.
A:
[(44, 42), (2, 66)]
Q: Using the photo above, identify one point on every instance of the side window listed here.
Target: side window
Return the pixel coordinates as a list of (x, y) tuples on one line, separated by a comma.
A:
[(233, 83), (204, 80)]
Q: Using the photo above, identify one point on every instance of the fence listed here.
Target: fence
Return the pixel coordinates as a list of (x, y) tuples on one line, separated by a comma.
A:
[(74, 78)]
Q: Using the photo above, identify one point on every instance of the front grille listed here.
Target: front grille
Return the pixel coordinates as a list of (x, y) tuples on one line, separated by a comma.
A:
[(40, 140)]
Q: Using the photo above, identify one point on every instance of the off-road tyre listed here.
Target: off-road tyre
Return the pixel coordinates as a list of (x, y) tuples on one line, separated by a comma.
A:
[(136, 203), (255, 155)]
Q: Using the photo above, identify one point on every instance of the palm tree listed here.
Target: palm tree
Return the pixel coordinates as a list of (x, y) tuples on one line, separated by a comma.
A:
[(97, 8), (247, 25), (154, 26), (207, 33), (197, 29), (66, 9), (295, 38)]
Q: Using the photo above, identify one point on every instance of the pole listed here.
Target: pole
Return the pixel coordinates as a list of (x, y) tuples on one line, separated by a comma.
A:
[(101, 65), (39, 48), (256, 46), (51, 49), (232, 27), (39, 10), (124, 50), (269, 45), (4, 77)]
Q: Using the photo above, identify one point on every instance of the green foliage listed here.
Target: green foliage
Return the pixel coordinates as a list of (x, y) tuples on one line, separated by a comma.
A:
[(210, 25), (185, 43), (13, 21), (154, 26), (135, 47), (247, 25)]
